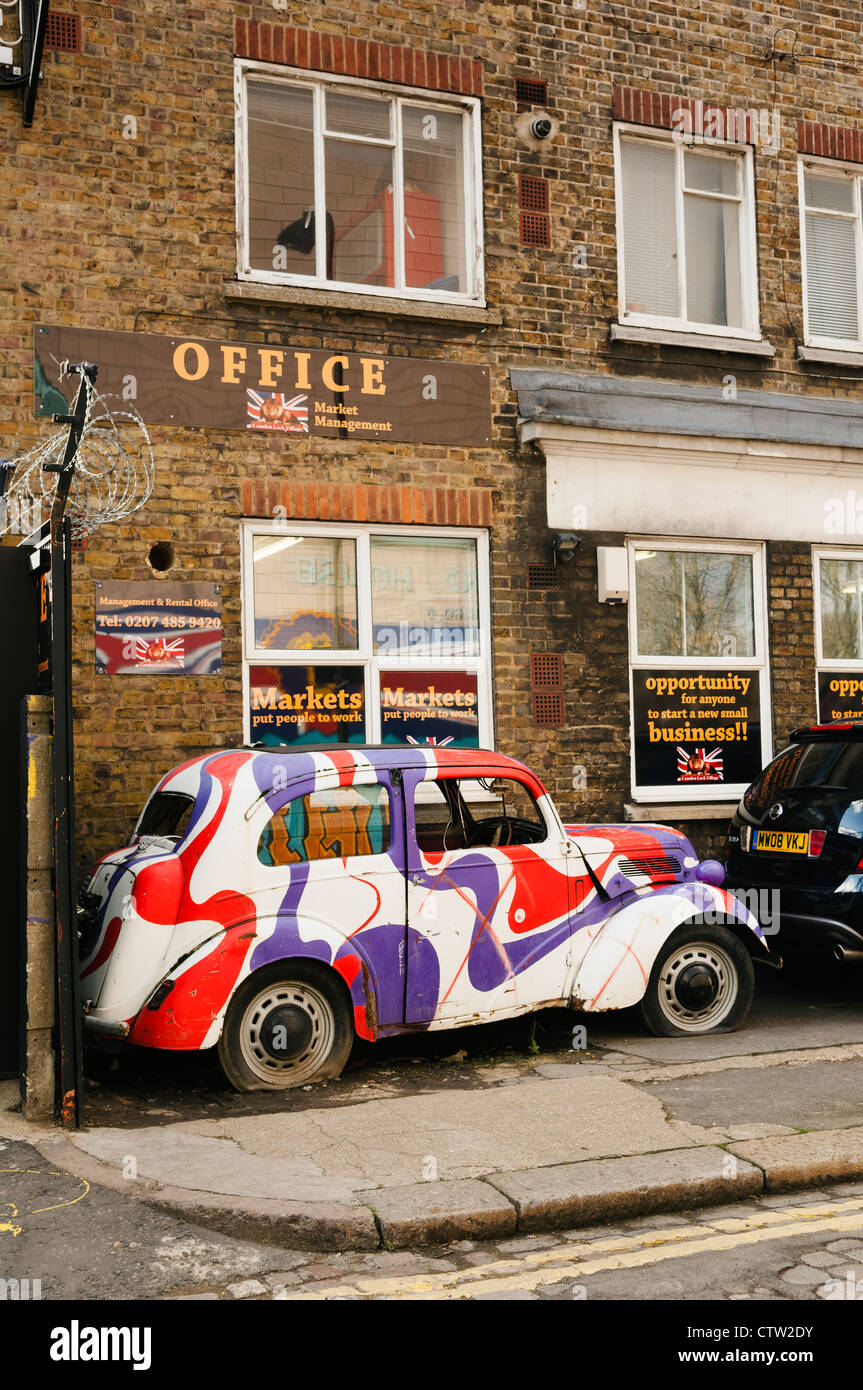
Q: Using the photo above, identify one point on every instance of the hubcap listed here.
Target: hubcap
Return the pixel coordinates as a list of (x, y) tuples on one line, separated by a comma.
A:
[(287, 1033), (697, 987)]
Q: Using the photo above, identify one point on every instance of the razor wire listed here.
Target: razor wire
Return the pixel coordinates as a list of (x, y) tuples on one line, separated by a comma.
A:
[(114, 471)]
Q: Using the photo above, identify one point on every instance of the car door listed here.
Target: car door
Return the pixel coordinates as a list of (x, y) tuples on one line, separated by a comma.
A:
[(490, 895)]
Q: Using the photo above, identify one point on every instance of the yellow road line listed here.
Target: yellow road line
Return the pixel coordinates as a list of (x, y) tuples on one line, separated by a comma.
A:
[(575, 1261)]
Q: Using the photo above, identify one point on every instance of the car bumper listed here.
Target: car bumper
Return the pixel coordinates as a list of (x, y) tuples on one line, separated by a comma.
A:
[(818, 938), (814, 924)]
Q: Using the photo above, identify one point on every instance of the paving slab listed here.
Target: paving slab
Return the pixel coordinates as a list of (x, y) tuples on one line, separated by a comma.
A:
[(548, 1198), (449, 1135), (813, 1095), (436, 1212), (174, 1157), (805, 1160)]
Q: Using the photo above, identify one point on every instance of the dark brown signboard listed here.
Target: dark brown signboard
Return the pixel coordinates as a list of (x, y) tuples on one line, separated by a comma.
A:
[(840, 695), (696, 728), (273, 388)]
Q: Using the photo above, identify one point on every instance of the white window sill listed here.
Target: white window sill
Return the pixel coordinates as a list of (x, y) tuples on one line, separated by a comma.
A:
[(259, 293), (627, 333), (837, 355), (681, 810)]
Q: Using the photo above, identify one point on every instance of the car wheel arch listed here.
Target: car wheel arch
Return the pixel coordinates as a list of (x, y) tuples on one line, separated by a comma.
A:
[(615, 970)]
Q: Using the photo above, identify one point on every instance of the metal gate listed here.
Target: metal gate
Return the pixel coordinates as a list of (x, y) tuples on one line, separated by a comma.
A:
[(18, 624)]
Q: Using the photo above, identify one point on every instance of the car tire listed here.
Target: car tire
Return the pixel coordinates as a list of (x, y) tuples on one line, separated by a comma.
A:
[(702, 981), (288, 1024)]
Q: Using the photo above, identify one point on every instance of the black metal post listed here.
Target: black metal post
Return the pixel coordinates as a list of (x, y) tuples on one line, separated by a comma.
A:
[(68, 998), (69, 1011)]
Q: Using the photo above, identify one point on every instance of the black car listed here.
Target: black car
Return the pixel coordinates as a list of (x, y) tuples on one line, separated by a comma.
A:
[(797, 838)]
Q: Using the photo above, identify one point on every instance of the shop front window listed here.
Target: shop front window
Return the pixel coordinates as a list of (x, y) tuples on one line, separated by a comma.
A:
[(355, 635), (694, 604), (839, 633), (700, 725), (305, 592)]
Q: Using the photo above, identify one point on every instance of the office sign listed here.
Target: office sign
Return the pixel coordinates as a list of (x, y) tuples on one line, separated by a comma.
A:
[(273, 388)]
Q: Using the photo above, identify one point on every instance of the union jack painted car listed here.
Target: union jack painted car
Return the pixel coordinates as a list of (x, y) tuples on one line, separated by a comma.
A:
[(277, 904)]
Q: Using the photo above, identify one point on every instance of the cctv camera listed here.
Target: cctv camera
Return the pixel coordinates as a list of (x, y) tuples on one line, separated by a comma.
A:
[(564, 546), (535, 127)]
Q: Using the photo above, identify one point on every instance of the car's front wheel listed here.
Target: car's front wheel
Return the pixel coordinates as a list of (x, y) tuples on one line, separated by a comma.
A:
[(287, 1025), (702, 981)]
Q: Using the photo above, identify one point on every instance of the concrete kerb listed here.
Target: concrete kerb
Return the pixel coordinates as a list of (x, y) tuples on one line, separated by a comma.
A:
[(811, 1158), (503, 1204)]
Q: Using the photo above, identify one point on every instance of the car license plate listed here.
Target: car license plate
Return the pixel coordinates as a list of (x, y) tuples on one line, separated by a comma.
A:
[(782, 841)]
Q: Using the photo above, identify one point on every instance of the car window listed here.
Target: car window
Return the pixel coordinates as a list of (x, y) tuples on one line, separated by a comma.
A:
[(464, 812), (167, 813), (331, 824), (836, 763)]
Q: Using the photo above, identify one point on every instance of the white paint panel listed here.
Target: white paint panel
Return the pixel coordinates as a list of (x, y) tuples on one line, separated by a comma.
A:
[(653, 485)]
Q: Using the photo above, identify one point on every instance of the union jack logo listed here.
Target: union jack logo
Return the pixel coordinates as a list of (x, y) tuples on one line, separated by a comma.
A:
[(161, 650), (699, 766), (276, 412)]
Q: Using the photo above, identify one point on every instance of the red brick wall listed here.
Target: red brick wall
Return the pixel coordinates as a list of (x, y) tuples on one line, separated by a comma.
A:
[(836, 142), (339, 53), (406, 505)]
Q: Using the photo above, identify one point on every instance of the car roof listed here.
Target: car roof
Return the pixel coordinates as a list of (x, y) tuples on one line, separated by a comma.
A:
[(839, 728), (407, 755)]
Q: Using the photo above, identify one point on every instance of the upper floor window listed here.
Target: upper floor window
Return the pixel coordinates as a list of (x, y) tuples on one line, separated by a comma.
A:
[(342, 185), (832, 254), (686, 236)]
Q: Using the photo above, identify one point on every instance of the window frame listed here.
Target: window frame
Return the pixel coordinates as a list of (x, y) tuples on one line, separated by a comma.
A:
[(749, 287), (760, 662), (854, 172), (424, 796), (319, 83), (361, 779), (363, 655), (831, 663)]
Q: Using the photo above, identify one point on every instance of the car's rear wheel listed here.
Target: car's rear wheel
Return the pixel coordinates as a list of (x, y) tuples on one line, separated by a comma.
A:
[(702, 981), (287, 1025)]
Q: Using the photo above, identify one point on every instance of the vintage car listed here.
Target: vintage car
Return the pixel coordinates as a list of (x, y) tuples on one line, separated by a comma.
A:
[(276, 904)]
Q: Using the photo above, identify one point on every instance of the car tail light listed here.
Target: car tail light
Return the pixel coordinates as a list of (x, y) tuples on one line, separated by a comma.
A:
[(816, 842), (745, 838)]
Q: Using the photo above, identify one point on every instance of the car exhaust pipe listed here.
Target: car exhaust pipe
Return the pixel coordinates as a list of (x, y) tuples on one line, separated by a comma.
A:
[(848, 956)]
